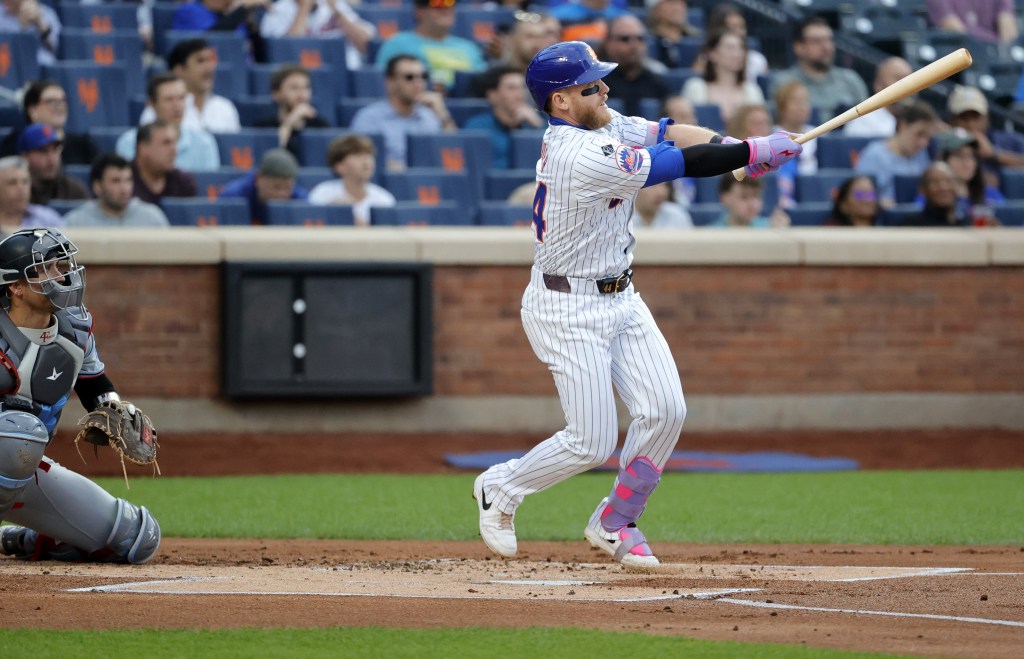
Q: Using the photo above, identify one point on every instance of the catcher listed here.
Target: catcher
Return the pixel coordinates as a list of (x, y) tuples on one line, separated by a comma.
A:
[(47, 350)]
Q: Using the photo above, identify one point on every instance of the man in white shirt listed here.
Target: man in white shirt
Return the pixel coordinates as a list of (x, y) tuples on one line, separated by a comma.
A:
[(881, 123), (112, 182), (195, 62), (354, 159), (320, 18)]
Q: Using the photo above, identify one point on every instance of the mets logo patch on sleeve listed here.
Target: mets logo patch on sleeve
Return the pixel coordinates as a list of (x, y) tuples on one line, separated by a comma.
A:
[(629, 159)]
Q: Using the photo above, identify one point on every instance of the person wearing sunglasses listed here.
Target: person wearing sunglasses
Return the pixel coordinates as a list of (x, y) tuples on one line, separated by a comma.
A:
[(855, 204), (637, 76), (581, 313)]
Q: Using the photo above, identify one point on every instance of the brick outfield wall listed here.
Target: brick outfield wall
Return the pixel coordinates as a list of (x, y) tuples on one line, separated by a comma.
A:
[(733, 330)]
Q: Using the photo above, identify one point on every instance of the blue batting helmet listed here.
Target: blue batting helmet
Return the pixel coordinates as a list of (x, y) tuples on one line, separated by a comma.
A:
[(563, 65)]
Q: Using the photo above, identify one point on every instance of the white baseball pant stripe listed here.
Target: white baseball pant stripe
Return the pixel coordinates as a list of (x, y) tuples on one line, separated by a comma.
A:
[(595, 344)]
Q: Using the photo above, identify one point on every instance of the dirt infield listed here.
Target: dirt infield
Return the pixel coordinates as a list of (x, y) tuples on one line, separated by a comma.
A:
[(963, 601)]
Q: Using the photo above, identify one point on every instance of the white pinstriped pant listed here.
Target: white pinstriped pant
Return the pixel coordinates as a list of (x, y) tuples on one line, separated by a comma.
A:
[(594, 344)]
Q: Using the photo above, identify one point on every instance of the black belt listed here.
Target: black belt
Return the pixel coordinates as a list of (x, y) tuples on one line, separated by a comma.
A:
[(606, 286)]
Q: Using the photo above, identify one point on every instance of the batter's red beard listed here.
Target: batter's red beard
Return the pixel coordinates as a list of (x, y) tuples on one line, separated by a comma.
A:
[(594, 118)]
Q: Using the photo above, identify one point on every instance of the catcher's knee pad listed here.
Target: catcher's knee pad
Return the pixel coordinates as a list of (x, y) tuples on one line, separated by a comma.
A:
[(629, 496), (135, 536), (23, 439)]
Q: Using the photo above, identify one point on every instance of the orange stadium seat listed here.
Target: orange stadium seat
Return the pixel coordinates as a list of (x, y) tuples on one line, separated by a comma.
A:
[(468, 152), (431, 186), (314, 53), (244, 148)]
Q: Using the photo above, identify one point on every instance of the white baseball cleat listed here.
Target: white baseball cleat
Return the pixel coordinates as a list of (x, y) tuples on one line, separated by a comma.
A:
[(496, 528), (627, 546)]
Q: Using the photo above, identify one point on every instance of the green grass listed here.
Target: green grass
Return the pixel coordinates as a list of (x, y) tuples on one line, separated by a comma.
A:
[(391, 643), (919, 507)]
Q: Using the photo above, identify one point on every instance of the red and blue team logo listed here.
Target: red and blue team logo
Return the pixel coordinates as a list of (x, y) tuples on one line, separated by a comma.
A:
[(629, 159)]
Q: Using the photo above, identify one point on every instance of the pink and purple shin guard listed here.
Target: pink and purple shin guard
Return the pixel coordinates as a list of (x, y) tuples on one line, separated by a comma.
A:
[(629, 498)]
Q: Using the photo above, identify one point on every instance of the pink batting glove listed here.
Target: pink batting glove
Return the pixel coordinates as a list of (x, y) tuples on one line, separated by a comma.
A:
[(755, 169), (771, 152)]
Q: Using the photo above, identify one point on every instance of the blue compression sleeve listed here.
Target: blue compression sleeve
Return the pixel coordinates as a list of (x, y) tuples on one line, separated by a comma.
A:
[(663, 125), (667, 163)]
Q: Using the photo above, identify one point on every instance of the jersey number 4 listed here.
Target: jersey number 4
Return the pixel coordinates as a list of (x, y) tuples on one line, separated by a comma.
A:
[(539, 224)]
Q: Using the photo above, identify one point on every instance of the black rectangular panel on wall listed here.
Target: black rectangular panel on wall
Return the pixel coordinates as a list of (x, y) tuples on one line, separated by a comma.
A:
[(350, 330)]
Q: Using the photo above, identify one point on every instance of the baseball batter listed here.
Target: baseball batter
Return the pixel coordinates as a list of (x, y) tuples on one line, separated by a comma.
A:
[(48, 351), (580, 311)]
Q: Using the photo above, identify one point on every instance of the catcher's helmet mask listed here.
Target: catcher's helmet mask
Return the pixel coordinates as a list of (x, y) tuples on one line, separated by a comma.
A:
[(562, 65), (45, 259)]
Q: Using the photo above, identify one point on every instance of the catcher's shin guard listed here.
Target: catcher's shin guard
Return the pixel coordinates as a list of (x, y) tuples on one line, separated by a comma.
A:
[(629, 496), (23, 440), (136, 534)]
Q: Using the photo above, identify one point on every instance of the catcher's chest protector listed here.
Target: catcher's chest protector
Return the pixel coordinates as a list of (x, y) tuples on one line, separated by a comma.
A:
[(47, 372)]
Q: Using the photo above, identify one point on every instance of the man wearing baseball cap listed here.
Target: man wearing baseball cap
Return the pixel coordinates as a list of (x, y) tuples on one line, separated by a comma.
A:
[(41, 147), (273, 181), (968, 109)]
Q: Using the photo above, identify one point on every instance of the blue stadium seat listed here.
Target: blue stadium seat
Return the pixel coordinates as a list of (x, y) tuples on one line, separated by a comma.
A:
[(106, 137), (651, 108), (465, 151), (10, 115), (464, 85), (232, 49), (96, 93), (347, 108), (501, 214), (906, 187), (205, 212), (210, 184), (479, 23), (707, 189), (99, 18), (323, 81), (254, 108), (412, 213), (500, 183), (163, 18), (79, 172), (230, 81), (367, 82), (704, 214), (809, 215), (1011, 213), (430, 186), (64, 206), (898, 214), (313, 144), (687, 50), (839, 151), (106, 48), (388, 20), (310, 177), (820, 187), (19, 51), (676, 78), (709, 115), (243, 149), (301, 213), (314, 54), (1012, 181), (462, 109), (525, 149)]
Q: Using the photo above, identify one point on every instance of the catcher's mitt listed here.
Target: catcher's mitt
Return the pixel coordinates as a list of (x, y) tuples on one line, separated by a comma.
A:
[(125, 428)]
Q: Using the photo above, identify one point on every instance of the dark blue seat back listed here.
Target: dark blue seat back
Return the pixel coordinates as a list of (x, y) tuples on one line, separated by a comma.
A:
[(18, 62), (305, 214), (525, 148), (206, 212), (96, 93), (243, 149), (105, 49), (325, 54), (500, 213), (411, 213)]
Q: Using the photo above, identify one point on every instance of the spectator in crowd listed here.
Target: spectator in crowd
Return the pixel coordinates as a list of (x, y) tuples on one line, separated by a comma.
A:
[(34, 17), (833, 88), (320, 18), (750, 120), (354, 159), (744, 202), (274, 180), (41, 147), (196, 149), (154, 175), (529, 34), (586, 20), (968, 109), (431, 42), (938, 187), (727, 17), (655, 208), (724, 81), (906, 152), (881, 123), (637, 76), (793, 111), (680, 110), (409, 108), (855, 204), (669, 24), (291, 88), (989, 20), (15, 189), (114, 206), (959, 149), (505, 90), (45, 102), (239, 16), (194, 62)]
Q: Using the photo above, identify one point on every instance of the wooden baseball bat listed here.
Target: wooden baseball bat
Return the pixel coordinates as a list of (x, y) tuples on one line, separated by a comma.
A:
[(927, 76)]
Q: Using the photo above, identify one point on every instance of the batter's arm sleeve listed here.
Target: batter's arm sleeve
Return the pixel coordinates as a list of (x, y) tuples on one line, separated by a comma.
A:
[(698, 161)]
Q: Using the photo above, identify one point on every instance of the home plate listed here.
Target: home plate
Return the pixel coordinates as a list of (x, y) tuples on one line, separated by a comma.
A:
[(452, 579)]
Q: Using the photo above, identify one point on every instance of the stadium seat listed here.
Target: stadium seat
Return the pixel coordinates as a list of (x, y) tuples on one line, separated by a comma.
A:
[(10, 115), (256, 108), (232, 49), (79, 173), (898, 214), (501, 214), (840, 151), (388, 20), (809, 215), (313, 144), (525, 149), (310, 177), (1011, 213), (106, 48), (462, 109), (479, 23), (707, 189), (244, 148), (710, 115), (96, 93), (99, 18), (906, 187), (687, 50), (1012, 183), (323, 80), (431, 186), (305, 214), (676, 78), (106, 137), (500, 183), (314, 54), (412, 213), (465, 151), (163, 18), (210, 184), (18, 63), (704, 214), (651, 108), (821, 186), (367, 82), (347, 108), (230, 81), (876, 23), (64, 206), (206, 213)]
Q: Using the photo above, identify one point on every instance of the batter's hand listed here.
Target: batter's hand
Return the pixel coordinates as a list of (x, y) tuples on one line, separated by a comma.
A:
[(769, 153)]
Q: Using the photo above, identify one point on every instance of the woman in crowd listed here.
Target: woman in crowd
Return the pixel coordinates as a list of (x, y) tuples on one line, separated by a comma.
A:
[(723, 83), (46, 103), (855, 204)]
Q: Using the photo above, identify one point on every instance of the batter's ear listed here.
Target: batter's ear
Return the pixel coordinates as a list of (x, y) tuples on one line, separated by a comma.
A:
[(559, 101)]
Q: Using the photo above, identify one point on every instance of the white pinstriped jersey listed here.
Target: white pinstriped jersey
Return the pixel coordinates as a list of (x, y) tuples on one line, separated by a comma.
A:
[(587, 181)]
